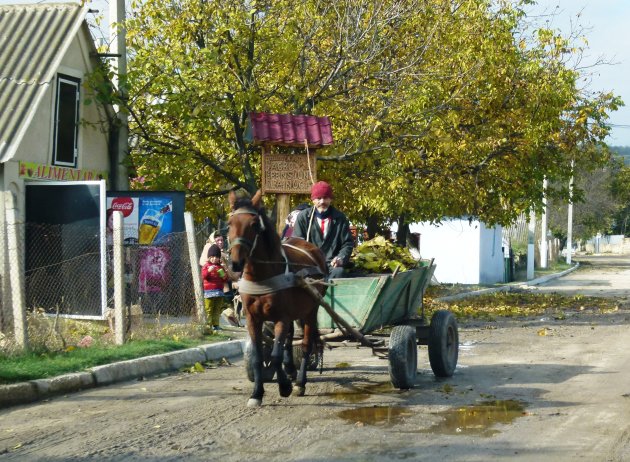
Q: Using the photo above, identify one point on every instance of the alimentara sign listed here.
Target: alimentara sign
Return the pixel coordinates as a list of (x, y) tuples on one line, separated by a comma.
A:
[(33, 171)]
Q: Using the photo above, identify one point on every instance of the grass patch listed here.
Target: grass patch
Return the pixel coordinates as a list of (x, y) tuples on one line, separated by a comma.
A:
[(44, 364), (62, 345)]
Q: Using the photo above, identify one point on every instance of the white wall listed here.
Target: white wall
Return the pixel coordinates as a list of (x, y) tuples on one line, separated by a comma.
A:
[(491, 262), (464, 253)]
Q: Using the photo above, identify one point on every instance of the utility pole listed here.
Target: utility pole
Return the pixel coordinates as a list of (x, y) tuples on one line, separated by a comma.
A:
[(531, 233), (119, 47), (543, 229), (570, 219)]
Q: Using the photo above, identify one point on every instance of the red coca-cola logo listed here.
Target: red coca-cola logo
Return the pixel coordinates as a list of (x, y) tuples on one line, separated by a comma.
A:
[(123, 204)]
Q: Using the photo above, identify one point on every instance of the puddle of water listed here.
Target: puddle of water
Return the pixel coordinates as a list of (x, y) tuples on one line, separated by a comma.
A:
[(379, 415), (467, 346), (358, 394), (350, 396), (477, 419)]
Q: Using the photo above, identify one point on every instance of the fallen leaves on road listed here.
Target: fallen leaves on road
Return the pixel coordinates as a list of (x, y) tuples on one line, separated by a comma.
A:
[(522, 303)]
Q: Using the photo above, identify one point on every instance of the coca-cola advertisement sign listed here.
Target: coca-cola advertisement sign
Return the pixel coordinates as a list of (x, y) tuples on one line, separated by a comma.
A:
[(124, 205), (129, 208)]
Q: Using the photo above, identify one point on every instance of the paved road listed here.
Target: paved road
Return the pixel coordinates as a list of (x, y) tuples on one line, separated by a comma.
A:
[(598, 275), (527, 390)]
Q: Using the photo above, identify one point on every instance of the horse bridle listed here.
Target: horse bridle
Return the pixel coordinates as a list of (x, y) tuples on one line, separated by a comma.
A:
[(249, 245)]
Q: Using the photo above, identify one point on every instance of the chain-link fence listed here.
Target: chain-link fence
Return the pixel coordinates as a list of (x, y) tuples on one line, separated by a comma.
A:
[(64, 275), (67, 276)]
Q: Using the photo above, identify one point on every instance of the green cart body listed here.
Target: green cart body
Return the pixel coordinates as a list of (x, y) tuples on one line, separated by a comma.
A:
[(370, 303)]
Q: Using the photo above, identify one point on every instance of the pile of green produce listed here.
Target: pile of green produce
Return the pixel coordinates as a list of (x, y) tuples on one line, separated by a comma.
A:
[(379, 255)]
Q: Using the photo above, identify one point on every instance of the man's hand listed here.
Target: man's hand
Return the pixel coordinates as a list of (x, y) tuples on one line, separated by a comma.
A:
[(336, 262)]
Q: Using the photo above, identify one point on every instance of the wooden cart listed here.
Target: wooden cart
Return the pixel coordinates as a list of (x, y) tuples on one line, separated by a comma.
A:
[(356, 308)]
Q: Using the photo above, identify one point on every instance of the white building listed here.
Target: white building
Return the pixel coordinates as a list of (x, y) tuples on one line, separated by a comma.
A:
[(464, 252), (53, 132)]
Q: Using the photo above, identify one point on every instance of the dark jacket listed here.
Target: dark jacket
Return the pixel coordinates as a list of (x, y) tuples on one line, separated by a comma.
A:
[(338, 242)]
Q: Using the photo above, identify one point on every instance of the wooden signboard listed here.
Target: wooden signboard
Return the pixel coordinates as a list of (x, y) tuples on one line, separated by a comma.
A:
[(288, 173)]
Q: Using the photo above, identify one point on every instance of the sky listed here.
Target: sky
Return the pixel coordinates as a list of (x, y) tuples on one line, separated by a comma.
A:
[(605, 25)]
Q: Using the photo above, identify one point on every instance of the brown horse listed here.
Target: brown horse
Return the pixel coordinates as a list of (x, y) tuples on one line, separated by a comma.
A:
[(269, 293)]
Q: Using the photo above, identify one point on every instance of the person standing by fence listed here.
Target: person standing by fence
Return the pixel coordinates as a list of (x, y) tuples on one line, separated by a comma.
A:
[(214, 280)]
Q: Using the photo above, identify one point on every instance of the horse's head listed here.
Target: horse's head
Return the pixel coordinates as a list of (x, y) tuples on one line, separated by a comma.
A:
[(246, 224)]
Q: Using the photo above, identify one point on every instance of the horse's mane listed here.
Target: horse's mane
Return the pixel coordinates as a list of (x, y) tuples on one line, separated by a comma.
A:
[(243, 202)]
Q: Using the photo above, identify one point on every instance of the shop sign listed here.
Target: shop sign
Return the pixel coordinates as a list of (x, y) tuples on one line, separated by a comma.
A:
[(33, 171)]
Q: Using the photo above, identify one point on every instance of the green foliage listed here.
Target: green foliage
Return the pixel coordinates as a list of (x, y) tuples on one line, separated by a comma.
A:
[(437, 110), (620, 190), (623, 152), (599, 202), (379, 255)]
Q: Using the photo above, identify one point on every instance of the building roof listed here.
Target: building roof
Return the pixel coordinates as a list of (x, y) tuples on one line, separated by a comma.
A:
[(288, 129), (33, 40)]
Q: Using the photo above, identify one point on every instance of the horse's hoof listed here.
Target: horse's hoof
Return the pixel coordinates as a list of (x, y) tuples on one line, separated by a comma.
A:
[(253, 402), (299, 391), (285, 391)]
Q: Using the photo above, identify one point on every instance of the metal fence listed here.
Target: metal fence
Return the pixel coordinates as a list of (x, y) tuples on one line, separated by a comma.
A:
[(66, 275), (63, 275)]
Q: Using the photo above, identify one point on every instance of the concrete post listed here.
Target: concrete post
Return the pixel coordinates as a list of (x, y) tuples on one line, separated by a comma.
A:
[(119, 279), (5, 283), (17, 274), (530, 245), (194, 266), (119, 46), (570, 220)]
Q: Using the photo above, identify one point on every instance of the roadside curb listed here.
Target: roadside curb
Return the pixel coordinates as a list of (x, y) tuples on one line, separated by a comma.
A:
[(509, 287), (36, 390), (549, 277)]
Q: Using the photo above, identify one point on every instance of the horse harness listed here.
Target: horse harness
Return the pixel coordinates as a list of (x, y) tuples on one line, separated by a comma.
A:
[(286, 280)]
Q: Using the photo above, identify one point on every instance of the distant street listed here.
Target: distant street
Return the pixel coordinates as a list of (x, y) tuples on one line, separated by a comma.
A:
[(599, 275)]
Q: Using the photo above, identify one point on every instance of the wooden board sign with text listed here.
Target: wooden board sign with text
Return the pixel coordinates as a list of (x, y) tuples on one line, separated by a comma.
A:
[(287, 173)]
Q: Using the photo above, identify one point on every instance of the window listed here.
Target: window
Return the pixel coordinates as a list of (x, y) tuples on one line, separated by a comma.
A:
[(66, 132)]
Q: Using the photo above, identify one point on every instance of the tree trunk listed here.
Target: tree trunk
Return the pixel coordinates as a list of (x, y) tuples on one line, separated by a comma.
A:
[(403, 231), (372, 226)]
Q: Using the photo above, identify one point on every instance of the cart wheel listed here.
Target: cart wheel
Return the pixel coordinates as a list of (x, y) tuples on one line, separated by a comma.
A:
[(443, 343), (313, 360), (403, 357)]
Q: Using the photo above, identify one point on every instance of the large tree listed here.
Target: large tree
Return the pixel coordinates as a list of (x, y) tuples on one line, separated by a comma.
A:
[(439, 107)]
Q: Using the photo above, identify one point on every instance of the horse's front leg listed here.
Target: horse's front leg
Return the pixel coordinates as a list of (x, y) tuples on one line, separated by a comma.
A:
[(277, 354), (288, 363), (254, 326), (308, 341)]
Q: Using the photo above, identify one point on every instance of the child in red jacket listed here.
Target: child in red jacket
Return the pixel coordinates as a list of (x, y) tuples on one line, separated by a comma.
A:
[(214, 278)]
